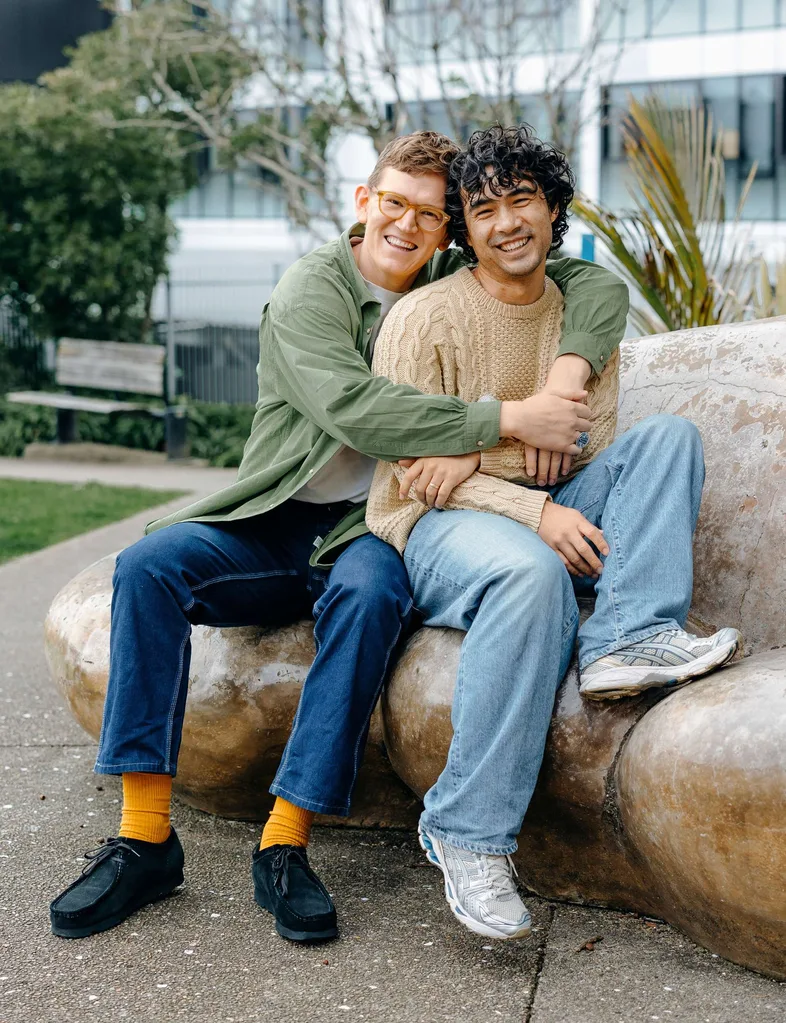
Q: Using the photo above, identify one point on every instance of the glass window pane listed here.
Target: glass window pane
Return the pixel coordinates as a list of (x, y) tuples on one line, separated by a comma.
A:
[(681, 18), (246, 186), (635, 19), (615, 174), (611, 20), (721, 15), (721, 98), (781, 145), (759, 13), (215, 195), (757, 144)]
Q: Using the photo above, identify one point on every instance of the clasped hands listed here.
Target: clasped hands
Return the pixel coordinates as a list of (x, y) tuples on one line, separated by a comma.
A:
[(555, 413)]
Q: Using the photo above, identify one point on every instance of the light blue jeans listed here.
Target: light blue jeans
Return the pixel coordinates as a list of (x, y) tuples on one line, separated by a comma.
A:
[(496, 580)]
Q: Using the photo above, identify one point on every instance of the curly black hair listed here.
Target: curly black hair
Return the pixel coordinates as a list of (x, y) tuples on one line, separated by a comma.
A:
[(514, 154)]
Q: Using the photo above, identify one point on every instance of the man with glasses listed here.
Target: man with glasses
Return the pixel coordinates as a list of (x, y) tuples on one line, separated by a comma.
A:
[(290, 535)]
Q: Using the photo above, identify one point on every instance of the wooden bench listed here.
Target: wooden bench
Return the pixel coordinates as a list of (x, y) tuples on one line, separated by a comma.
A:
[(108, 366)]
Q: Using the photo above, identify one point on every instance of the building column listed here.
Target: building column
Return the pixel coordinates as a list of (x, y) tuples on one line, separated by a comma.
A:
[(588, 150)]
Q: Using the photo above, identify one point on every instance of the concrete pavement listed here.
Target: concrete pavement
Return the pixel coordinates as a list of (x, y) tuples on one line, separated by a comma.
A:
[(209, 954)]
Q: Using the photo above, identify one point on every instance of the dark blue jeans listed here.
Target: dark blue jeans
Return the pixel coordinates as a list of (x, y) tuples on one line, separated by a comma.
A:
[(254, 572)]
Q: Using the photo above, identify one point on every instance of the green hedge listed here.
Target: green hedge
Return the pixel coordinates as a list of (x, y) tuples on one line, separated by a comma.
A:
[(215, 432)]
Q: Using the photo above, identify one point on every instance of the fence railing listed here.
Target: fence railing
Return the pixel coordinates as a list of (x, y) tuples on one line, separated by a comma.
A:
[(213, 362), (211, 326), (25, 360)]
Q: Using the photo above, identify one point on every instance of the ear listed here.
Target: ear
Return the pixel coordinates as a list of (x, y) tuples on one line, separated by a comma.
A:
[(362, 196), (445, 243), (554, 213)]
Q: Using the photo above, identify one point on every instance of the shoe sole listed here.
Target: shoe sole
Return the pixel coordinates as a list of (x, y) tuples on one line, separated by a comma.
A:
[(302, 937), (117, 918), (469, 922), (656, 678)]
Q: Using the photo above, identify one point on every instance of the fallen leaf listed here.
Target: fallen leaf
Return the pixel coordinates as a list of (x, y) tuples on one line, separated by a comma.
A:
[(590, 943)]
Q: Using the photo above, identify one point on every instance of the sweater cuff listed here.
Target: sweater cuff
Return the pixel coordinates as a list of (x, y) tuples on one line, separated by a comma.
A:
[(482, 427), (532, 506), (501, 461), (589, 347)]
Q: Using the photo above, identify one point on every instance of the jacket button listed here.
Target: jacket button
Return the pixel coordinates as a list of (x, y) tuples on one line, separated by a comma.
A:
[(480, 443)]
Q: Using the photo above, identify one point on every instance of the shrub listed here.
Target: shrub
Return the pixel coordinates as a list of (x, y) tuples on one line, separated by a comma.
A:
[(216, 432)]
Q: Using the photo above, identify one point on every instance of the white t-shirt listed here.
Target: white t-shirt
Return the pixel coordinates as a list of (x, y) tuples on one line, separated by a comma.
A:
[(347, 476)]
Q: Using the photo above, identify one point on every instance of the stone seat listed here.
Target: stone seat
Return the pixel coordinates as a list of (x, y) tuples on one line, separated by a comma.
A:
[(674, 806)]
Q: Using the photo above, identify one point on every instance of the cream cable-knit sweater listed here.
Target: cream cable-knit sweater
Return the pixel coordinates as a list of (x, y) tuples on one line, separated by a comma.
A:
[(452, 337)]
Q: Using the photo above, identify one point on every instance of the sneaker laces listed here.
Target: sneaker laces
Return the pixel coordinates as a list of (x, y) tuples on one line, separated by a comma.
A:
[(497, 872), (104, 852)]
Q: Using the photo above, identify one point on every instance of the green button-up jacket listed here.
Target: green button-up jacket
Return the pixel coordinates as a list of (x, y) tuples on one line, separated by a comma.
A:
[(317, 392)]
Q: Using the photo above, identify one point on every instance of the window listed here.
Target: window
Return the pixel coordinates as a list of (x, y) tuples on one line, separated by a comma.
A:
[(750, 113), (721, 15), (682, 17), (635, 19), (759, 13), (757, 144), (245, 191)]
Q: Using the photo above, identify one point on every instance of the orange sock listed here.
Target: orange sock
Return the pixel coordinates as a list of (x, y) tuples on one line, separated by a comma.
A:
[(146, 801), (287, 825)]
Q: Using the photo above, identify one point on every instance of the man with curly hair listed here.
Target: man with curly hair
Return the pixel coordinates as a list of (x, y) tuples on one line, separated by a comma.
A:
[(497, 544)]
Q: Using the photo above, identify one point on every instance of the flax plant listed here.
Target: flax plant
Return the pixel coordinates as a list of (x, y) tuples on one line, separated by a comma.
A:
[(770, 300), (675, 246)]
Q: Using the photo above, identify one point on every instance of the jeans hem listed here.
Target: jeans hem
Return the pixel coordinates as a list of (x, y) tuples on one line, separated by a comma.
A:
[(482, 848), (140, 767), (620, 644), (316, 805)]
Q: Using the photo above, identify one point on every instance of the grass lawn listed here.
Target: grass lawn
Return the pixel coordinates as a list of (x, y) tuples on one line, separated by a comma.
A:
[(34, 515)]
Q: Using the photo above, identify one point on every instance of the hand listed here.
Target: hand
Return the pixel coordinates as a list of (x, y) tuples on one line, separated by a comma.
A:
[(564, 530), (434, 479), (549, 421), (544, 466), (568, 373)]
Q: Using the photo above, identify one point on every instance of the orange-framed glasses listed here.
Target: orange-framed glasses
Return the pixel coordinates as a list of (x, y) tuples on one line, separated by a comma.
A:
[(393, 206)]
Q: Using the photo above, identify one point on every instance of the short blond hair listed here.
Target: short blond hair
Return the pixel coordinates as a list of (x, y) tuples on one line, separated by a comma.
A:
[(422, 152)]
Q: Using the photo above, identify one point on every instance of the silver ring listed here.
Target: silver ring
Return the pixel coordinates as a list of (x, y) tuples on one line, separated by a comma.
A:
[(582, 440), (435, 485)]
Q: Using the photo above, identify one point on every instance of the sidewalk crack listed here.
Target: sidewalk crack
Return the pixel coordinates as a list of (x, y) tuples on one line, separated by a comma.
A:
[(539, 964)]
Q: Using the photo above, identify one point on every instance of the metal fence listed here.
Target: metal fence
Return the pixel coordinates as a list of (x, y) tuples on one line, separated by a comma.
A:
[(211, 325), (212, 362), (25, 360)]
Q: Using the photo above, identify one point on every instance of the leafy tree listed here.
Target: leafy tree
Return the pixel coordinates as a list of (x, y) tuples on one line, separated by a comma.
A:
[(83, 216), (276, 84)]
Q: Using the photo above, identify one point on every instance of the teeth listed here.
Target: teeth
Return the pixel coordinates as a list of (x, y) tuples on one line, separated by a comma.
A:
[(398, 244), (512, 246)]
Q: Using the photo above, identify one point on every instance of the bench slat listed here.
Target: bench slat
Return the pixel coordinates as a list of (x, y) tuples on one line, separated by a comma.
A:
[(111, 366), (70, 401)]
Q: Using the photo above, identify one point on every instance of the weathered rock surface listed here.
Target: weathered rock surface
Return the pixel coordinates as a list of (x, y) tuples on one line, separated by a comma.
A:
[(673, 806), (731, 382)]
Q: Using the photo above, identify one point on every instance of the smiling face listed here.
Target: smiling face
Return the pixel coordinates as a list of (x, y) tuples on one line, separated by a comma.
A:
[(394, 251), (510, 233)]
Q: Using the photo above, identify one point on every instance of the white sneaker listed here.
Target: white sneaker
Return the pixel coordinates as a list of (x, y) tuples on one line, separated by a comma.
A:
[(480, 889), (671, 659)]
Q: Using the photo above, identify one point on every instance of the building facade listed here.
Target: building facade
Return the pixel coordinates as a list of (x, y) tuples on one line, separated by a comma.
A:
[(728, 54)]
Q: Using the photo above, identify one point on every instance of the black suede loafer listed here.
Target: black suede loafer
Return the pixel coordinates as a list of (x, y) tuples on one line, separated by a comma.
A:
[(121, 876), (286, 886)]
